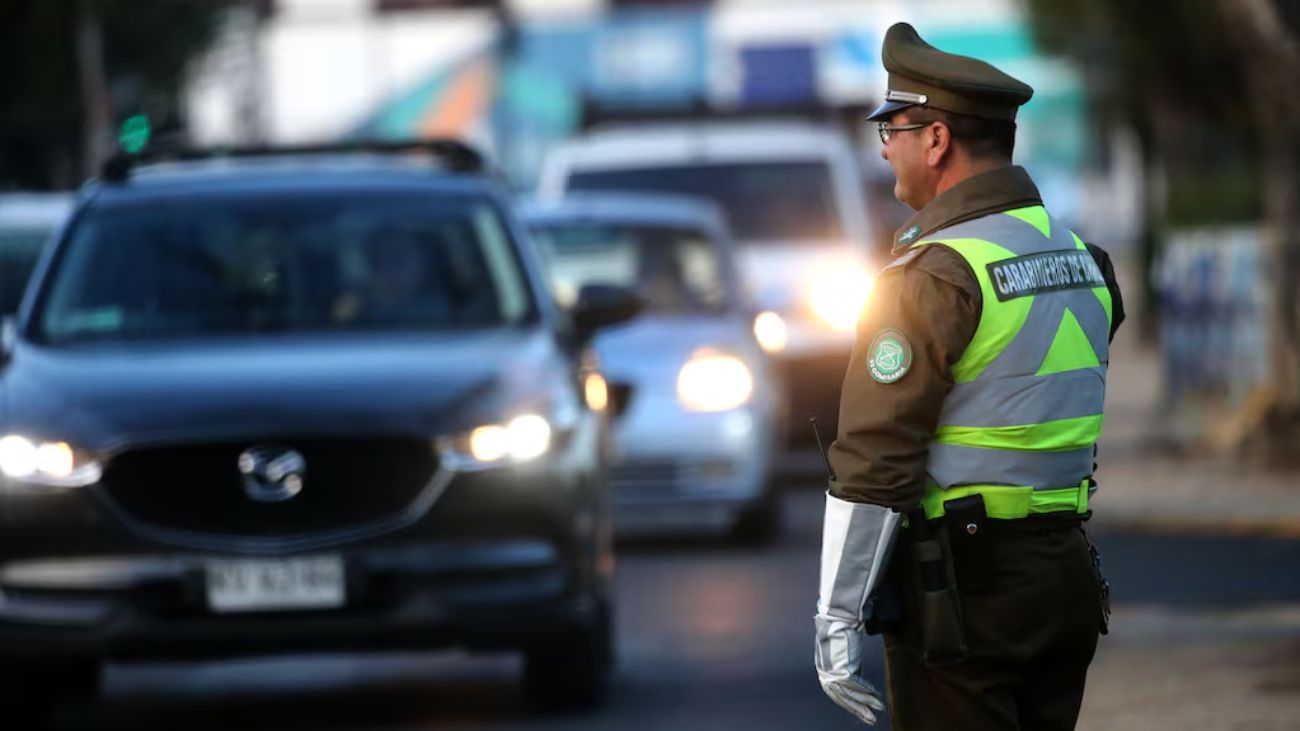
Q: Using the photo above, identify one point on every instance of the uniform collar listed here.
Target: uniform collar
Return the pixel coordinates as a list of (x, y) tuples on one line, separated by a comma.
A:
[(1001, 189)]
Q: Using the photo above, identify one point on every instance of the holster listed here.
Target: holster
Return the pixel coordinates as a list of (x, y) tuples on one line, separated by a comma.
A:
[(887, 606), (943, 631), (970, 542)]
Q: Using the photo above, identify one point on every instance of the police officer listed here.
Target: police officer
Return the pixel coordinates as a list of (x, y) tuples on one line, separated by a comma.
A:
[(962, 470)]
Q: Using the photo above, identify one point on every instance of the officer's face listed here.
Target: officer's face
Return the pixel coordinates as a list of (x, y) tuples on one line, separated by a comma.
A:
[(907, 152)]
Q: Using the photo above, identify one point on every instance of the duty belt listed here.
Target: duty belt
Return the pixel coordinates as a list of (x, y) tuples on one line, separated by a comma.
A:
[(1009, 502)]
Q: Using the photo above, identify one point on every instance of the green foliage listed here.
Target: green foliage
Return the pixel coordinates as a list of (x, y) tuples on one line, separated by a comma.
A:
[(1229, 195), (147, 47), (1149, 53), (1170, 71), (156, 39)]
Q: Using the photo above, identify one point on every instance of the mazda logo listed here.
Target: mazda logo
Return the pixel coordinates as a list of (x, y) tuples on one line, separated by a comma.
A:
[(272, 474)]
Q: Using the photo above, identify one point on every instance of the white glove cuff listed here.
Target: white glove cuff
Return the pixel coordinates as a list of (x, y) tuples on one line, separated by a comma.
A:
[(857, 540)]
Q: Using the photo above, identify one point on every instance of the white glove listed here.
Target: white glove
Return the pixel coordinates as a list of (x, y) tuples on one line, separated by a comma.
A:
[(839, 662), (857, 540)]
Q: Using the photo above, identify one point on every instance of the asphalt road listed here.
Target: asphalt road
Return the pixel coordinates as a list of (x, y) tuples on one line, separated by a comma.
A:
[(712, 636)]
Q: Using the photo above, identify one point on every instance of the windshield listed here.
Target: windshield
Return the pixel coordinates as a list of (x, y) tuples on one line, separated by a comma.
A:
[(768, 201), (673, 269), (19, 250), (220, 267)]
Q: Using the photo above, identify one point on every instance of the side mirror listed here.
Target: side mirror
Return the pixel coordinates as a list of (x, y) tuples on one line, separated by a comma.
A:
[(601, 305)]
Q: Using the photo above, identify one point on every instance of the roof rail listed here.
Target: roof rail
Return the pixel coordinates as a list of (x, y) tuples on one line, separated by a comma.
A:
[(454, 155)]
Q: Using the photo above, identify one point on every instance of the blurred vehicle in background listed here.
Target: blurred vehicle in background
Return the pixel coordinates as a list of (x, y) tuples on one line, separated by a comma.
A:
[(792, 195), (296, 404), (27, 221), (699, 409)]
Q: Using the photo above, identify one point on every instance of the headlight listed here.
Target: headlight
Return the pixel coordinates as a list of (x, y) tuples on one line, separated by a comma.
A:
[(528, 437), (838, 296), (769, 331), (54, 464), (714, 382), (523, 438), (596, 391)]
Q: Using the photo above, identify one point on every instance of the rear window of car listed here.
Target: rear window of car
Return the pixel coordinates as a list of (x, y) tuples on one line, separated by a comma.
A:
[(673, 269), (220, 266), (763, 202)]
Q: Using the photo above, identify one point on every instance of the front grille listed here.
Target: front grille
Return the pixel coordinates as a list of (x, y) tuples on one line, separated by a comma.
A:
[(199, 489), (667, 476)]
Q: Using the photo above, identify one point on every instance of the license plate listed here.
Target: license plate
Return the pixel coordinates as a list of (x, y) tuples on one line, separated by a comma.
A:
[(254, 585)]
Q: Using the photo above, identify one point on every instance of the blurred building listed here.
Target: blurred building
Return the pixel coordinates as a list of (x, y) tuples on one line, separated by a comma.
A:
[(516, 82)]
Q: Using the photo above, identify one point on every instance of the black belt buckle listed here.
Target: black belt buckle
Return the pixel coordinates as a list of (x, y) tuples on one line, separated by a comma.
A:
[(971, 542)]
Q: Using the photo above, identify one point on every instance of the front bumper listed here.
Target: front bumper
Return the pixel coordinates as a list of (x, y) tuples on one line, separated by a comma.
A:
[(499, 561), (678, 468), (500, 595)]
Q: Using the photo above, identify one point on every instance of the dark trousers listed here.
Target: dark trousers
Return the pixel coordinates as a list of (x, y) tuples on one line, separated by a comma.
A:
[(1031, 634)]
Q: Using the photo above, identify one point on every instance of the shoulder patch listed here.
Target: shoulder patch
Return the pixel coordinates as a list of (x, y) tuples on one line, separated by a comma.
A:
[(909, 235), (889, 356)]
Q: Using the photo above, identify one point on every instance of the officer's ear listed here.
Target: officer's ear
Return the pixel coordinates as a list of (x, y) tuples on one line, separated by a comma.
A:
[(939, 143)]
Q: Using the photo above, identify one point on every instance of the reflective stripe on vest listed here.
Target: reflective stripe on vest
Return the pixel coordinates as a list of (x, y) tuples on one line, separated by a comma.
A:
[(1025, 410)]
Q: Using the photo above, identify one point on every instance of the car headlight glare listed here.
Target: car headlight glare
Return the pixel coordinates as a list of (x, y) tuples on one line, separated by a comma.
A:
[(530, 437), (714, 382), (17, 457), (54, 464), (596, 391), (770, 332), (55, 459), (489, 443), (838, 296), (523, 438)]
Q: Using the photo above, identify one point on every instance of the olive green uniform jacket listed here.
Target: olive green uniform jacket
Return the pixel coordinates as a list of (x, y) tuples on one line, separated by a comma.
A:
[(879, 454)]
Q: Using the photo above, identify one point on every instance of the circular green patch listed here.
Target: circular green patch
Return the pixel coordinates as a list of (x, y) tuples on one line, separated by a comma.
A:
[(889, 357)]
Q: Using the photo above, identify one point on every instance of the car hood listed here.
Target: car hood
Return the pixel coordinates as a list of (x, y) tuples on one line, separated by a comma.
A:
[(101, 397), (649, 351)]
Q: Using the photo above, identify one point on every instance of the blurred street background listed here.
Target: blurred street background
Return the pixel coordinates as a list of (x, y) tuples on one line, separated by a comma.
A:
[(1166, 132)]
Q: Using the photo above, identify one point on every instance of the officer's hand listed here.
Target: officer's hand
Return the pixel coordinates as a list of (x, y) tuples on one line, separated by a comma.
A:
[(839, 668)]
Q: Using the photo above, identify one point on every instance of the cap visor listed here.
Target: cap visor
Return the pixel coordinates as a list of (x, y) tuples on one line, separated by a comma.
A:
[(887, 110)]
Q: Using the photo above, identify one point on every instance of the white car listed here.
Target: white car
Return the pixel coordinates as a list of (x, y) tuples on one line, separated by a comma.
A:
[(27, 221), (698, 407), (792, 194)]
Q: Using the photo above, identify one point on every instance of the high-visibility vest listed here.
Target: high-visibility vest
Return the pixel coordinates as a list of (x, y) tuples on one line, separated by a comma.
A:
[(1026, 409)]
